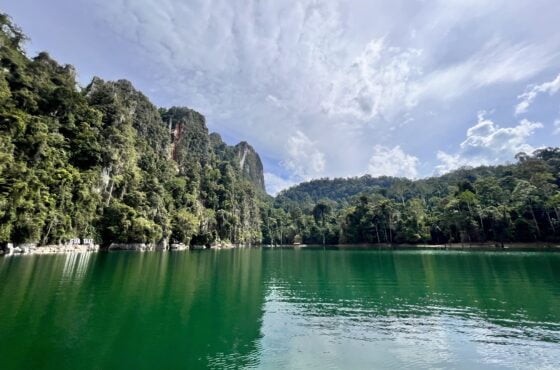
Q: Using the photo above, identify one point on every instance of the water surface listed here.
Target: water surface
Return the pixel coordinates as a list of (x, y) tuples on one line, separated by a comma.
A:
[(281, 308)]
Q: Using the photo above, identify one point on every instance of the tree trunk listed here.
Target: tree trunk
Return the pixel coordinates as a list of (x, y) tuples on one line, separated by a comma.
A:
[(123, 192), (110, 193), (390, 228), (535, 221), (323, 221), (482, 226), (551, 223), (268, 228), (45, 238)]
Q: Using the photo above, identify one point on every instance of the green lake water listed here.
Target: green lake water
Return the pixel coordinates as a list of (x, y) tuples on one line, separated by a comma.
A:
[(281, 308)]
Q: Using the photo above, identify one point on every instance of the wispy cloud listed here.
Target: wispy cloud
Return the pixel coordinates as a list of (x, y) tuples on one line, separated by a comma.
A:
[(497, 62), (532, 92)]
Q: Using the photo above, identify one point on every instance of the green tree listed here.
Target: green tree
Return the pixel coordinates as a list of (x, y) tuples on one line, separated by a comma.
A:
[(320, 212)]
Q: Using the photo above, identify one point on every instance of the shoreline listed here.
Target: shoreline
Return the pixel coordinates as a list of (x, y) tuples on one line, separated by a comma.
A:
[(489, 246), (33, 249), (140, 247)]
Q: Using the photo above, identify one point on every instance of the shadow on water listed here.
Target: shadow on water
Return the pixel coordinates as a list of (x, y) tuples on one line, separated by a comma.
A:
[(278, 308), (131, 310)]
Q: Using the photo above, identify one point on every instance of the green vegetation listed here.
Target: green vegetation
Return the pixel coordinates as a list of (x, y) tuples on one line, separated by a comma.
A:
[(103, 162), (517, 202)]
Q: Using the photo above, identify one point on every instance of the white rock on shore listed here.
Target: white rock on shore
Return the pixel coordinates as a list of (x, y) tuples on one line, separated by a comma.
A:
[(132, 247), (178, 247), (29, 248)]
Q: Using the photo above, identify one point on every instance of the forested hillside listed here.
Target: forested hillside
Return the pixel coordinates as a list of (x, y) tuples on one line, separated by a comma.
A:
[(518, 202), (103, 162)]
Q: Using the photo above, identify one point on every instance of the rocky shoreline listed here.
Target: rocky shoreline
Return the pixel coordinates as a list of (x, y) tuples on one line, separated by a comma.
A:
[(49, 249), (30, 249)]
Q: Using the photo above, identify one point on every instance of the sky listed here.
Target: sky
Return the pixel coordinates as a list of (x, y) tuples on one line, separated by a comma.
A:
[(329, 88)]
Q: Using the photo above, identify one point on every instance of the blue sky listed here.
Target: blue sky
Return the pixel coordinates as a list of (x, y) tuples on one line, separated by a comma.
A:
[(325, 87)]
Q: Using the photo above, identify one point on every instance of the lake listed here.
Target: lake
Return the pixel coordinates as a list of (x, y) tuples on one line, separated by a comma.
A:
[(281, 308)]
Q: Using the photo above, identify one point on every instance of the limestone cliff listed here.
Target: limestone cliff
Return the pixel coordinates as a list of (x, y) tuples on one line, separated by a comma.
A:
[(191, 142), (250, 164), (104, 163)]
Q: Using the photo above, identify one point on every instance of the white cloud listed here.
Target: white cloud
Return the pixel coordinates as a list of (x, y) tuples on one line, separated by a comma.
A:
[(450, 162), (392, 162), (314, 85), (531, 93), (275, 184), (487, 143), (304, 160), (376, 83), (497, 62)]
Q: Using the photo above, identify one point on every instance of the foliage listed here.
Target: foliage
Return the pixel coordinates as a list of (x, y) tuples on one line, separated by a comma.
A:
[(518, 202), (103, 162)]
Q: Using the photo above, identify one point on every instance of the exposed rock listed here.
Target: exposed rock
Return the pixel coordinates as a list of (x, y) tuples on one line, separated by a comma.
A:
[(131, 247), (250, 164), (8, 248), (190, 140), (24, 248), (163, 245), (52, 249), (76, 248), (189, 136), (178, 247)]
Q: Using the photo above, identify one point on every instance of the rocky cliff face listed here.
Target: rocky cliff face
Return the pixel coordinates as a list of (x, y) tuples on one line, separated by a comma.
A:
[(104, 163), (250, 164), (189, 135), (190, 141)]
